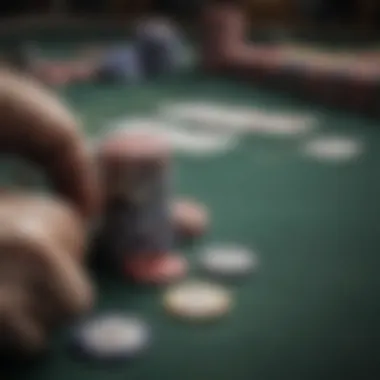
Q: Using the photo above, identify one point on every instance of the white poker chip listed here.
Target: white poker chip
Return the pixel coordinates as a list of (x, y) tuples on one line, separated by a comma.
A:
[(287, 125), (197, 143), (198, 301), (112, 336), (333, 148), (228, 260)]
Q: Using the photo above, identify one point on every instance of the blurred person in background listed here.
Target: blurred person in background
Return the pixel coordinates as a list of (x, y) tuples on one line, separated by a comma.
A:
[(123, 61)]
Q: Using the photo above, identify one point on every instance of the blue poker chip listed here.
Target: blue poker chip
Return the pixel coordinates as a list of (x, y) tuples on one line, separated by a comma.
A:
[(161, 47), (113, 336), (121, 64)]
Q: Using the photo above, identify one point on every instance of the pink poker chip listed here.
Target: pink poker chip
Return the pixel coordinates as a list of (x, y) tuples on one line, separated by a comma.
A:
[(157, 269)]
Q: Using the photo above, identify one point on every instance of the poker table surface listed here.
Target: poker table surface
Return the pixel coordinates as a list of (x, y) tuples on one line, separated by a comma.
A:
[(312, 309)]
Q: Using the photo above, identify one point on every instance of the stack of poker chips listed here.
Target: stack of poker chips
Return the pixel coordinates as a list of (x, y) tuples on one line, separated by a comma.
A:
[(135, 236)]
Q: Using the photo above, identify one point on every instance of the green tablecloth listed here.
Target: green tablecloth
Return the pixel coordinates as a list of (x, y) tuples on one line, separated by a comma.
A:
[(312, 310)]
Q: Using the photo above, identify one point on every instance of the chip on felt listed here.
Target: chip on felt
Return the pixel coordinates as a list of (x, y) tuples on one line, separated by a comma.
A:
[(333, 148), (197, 301), (157, 269), (114, 336), (228, 260), (160, 46), (190, 218), (121, 64)]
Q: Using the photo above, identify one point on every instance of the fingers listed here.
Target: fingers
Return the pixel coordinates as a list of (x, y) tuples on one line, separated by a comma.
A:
[(18, 324), (68, 284), (38, 126), (27, 331), (74, 176)]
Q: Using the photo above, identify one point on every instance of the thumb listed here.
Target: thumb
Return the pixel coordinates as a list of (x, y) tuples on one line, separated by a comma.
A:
[(68, 283)]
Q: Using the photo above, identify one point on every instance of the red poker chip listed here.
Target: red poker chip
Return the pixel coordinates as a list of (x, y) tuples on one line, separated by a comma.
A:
[(190, 218), (157, 269)]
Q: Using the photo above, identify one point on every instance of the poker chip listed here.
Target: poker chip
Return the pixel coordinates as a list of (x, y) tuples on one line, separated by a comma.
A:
[(228, 260), (157, 269), (112, 337), (196, 142), (333, 148), (121, 64), (134, 145), (197, 301), (190, 218), (286, 124), (124, 156), (160, 46)]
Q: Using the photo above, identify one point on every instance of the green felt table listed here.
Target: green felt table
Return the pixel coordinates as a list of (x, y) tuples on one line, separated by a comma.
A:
[(312, 310)]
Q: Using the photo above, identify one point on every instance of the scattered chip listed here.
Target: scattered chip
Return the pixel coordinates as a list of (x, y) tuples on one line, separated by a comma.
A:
[(217, 116), (286, 124), (333, 148), (222, 118), (228, 260), (192, 142), (157, 269), (190, 218), (197, 301), (112, 337), (121, 64)]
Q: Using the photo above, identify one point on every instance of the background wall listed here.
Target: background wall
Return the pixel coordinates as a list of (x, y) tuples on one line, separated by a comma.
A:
[(361, 14)]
